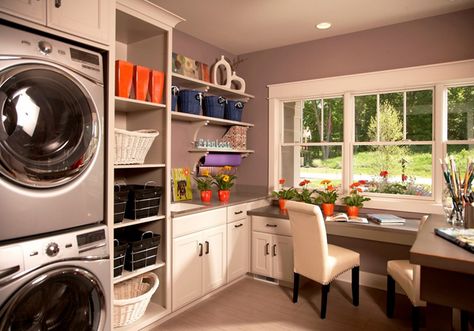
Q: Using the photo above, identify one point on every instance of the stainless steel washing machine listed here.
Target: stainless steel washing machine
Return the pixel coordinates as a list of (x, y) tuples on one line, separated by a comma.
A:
[(51, 135), (56, 283)]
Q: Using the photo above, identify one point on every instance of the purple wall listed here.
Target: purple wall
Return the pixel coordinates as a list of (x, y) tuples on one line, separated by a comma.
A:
[(432, 40)]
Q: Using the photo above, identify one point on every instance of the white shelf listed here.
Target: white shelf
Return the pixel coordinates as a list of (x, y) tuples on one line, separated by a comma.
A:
[(126, 105), (188, 82), (221, 150), (128, 222), (139, 166), (210, 120), (152, 314), (130, 274)]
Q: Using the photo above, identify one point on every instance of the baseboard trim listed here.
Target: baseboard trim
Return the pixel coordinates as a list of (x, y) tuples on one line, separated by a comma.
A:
[(369, 279)]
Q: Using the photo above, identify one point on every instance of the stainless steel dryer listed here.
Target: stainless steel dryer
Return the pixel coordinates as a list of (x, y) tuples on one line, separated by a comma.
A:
[(59, 282), (51, 137)]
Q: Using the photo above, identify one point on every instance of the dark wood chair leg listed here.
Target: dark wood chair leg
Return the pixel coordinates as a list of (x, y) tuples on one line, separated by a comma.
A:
[(324, 300), (390, 296), (464, 320), (296, 286), (415, 318), (355, 286)]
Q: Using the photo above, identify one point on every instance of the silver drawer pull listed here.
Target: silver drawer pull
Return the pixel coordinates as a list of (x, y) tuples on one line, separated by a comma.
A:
[(271, 225), (238, 212), (238, 225)]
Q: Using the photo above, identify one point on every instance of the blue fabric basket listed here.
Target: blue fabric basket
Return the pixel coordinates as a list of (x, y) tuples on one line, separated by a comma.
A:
[(213, 106), (174, 97), (233, 110), (190, 101)]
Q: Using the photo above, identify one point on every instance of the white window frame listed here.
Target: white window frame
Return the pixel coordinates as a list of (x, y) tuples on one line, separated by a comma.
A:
[(438, 76)]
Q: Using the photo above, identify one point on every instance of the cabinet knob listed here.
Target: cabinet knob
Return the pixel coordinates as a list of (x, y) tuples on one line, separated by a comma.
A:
[(57, 3), (238, 225), (200, 249), (267, 246), (275, 250), (207, 247)]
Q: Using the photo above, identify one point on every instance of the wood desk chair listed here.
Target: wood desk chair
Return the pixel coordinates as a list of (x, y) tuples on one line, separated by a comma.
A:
[(314, 258), (407, 275)]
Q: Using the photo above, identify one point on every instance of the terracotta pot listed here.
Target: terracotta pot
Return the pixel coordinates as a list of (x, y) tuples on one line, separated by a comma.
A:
[(206, 196), (123, 78), (141, 79), (282, 204), (328, 209), (157, 81), (224, 195), (352, 211)]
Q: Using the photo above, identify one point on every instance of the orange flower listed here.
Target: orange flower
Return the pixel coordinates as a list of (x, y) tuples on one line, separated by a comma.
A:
[(384, 173), (325, 181), (355, 184), (362, 182), (330, 188), (186, 171), (302, 183), (282, 181), (306, 181), (359, 190)]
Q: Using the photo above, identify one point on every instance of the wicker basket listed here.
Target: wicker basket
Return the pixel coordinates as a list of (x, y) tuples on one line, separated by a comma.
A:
[(131, 298), (131, 147)]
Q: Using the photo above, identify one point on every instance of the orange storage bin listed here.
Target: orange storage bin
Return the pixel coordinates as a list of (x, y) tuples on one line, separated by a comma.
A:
[(123, 78), (157, 82), (141, 79)]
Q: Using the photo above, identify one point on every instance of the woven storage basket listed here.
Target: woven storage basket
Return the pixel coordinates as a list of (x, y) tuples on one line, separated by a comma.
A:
[(131, 298), (131, 147)]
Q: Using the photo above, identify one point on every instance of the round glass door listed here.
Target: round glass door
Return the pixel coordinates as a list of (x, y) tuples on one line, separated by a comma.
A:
[(63, 299), (49, 130)]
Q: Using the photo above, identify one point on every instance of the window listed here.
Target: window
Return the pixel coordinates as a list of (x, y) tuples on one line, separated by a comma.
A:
[(393, 143), (312, 140)]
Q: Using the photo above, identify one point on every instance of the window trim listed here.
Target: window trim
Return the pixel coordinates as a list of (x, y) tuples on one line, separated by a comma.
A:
[(437, 77)]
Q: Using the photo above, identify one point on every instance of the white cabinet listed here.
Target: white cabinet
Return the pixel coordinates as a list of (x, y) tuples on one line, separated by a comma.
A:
[(199, 264), (272, 248), (238, 248), (87, 18)]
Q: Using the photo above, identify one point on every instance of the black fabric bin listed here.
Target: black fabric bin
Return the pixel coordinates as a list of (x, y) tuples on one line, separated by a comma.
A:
[(143, 201), (142, 250), (120, 250), (120, 202)]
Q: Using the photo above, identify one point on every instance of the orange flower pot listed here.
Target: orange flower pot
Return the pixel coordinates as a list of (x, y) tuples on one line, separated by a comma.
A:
[(328, 209), (157, 82), (141, 78), (206, 196), (282, 204), (123, 78), (224, 195), (352, 211)]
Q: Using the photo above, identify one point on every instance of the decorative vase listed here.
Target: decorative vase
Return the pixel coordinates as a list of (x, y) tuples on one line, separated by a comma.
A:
[(282, 204), (123, 78), (224, 195), (352, 211), (328, 209), (141, 79), (206, 196)]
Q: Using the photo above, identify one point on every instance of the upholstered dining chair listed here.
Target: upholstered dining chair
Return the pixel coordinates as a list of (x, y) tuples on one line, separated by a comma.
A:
[(313, 257), (407, 275)]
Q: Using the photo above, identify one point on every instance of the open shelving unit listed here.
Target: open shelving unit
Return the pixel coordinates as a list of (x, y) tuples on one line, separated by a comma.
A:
[(130, 274)]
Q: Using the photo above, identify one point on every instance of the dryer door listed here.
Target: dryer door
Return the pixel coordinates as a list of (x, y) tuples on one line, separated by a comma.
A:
[(67, 298), (49, 130)]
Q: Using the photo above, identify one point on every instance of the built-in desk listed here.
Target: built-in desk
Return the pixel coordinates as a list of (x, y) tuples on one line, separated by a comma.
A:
[(447, 273)]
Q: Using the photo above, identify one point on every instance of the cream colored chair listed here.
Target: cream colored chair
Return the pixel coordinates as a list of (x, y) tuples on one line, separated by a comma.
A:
[(314, 258), (407, 275)]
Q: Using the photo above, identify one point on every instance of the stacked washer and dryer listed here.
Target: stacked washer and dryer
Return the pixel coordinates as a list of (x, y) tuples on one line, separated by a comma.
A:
[(54, 254)]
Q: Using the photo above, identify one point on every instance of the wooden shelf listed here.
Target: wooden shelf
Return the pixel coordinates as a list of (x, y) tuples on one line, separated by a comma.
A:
[(126, 105), (188, 82), (221, 150), (128, 222), (130, 274), (139, 166), (152, 314), (210, 120)]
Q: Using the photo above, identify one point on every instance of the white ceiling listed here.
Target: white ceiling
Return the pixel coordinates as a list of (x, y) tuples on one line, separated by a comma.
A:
[(243, 26)]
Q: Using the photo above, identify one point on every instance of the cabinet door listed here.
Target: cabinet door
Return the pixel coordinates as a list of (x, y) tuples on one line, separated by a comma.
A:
[(282, 254), (238, 249), (261, 258), (187, 269), (214, 266), (31, 10), (86, 18)]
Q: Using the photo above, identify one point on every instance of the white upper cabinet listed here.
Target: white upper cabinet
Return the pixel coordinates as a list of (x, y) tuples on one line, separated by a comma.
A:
[(31, 10)]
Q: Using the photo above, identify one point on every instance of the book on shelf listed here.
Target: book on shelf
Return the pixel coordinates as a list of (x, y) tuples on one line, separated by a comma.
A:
[(386, 219), (462, 237), (342, 217)]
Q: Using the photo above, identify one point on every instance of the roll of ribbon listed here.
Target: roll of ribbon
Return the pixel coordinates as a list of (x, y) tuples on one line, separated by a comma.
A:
[(220, 160)]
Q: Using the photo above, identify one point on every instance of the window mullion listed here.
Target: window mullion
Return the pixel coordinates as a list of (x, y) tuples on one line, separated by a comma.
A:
[(378, 117), (321, 138), (349, 137), (404, 115)]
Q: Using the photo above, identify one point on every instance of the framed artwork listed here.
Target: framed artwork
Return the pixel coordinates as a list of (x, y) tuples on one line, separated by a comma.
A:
[(181, 184)]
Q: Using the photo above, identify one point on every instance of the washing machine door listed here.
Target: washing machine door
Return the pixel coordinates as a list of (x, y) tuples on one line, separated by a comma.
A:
[(49, 130), (67, 298)]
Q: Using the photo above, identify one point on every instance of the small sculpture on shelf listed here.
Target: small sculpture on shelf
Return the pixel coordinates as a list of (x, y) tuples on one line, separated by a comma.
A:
[(229, 78)]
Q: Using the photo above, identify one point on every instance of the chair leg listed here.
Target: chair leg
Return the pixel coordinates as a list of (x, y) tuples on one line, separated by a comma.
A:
[(415, 318), (464, 320), (355, 286), (296, 286), (390, 296), (324, 300)]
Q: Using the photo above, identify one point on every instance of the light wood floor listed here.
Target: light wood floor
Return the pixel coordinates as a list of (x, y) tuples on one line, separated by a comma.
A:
[(254, 305)]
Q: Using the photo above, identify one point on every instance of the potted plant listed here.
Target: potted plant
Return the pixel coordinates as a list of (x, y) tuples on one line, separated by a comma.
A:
[(327, 197), (283, 194), (354, 201), (305, 194), (224, 182), (204, 185)]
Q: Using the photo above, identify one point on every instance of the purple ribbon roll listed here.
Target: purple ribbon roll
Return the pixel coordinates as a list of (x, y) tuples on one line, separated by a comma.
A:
[(220, 160)]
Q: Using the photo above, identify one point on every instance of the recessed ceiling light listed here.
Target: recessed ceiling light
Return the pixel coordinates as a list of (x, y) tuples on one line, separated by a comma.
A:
[(323, 25)]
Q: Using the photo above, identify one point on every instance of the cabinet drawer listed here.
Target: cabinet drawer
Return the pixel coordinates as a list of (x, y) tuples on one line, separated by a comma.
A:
[(199, 221), (237, 212), (271, 225)]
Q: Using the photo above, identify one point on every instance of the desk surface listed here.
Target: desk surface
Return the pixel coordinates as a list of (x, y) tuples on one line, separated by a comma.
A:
[(432, 251), (396, 234)]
